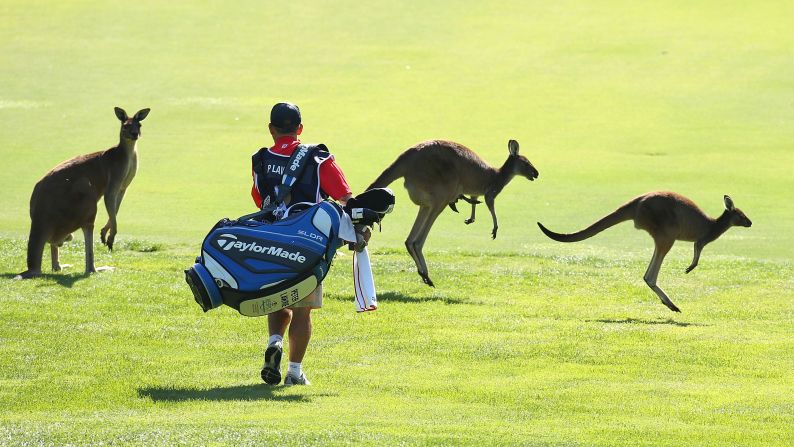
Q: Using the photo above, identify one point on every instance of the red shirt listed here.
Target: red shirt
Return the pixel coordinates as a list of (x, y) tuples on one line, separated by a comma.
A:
[(332, 180)]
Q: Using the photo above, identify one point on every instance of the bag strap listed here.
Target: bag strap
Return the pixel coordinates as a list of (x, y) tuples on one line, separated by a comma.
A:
[(295, 166), (292, 172)]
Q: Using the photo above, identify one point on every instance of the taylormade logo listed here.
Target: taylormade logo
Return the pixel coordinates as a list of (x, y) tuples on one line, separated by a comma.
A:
[(297, 160), (230, 242)]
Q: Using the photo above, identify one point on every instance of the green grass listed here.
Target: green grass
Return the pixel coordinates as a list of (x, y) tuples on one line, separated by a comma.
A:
[(524, 341), (534, 349)]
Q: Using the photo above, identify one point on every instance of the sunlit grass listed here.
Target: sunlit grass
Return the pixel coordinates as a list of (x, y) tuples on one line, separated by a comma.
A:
[(524, 341)]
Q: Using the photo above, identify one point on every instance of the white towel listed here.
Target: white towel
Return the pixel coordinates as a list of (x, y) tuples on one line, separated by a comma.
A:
[(346, 230), (363, 282)]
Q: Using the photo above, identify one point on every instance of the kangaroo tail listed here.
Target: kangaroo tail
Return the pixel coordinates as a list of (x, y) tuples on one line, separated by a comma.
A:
[(393, 172), (36, 241), (622, 214)]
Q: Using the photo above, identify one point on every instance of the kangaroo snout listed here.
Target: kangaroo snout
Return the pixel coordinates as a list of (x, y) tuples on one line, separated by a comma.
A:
[(530, 172), (131, 130)]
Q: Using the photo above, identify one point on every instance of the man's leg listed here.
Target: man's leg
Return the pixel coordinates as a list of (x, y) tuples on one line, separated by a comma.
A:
[(277, 323), (300, 332)]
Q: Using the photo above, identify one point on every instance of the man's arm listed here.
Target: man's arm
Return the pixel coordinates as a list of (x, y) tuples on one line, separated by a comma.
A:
[(343, 200), (333, 181), (255, 192)]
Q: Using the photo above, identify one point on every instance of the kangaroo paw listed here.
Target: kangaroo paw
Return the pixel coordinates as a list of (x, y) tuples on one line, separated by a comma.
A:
[(493, 233), (426, 279), (108, 238), (470, 200), (671, 306), (468, 221), (690, 268), (60, 267), (27, 274)]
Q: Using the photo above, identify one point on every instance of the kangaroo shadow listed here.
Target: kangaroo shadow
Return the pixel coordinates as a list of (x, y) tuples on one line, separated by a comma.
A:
[(402, 298), (239, 392), (396, 297), (667, 321), (65, 280)]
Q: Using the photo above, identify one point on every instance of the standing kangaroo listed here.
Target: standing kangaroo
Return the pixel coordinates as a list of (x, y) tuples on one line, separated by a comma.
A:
[(66, 198), (668, 217), (437, 173)]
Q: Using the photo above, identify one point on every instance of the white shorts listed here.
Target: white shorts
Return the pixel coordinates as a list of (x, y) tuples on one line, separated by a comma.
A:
[(313, 300)]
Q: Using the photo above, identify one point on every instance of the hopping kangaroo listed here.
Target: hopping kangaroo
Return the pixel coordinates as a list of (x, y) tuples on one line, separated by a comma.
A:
[(668, 217), (66, 198), (438, 173)]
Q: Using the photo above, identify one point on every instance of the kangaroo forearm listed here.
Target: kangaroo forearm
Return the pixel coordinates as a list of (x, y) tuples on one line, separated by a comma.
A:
[(111, 206), (119, 198)]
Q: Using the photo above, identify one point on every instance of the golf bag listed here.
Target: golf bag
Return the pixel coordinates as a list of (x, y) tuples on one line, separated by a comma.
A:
[(260, 266)]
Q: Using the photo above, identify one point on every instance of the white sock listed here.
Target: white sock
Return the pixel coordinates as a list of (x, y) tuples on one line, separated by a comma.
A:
[(274, 338), (294, 369)]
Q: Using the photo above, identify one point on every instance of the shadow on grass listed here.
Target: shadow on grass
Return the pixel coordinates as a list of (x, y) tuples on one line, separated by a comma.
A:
[(668, 321), (65, 280), (394, 297), (239, 392), (402, 298)]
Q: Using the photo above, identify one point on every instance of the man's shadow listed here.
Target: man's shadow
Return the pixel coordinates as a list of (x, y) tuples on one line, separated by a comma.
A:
[(238, 392), (62, 279)]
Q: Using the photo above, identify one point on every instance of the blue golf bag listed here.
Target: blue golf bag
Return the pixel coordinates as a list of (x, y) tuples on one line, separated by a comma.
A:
[(258, 267)]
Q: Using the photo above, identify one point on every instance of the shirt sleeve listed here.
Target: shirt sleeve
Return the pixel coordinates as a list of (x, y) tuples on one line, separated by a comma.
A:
[(255, 192), (332, 180)]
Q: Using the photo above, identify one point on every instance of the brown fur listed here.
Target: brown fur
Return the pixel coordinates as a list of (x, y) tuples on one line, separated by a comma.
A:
[(65, 199), (667, 217), (437, 173)]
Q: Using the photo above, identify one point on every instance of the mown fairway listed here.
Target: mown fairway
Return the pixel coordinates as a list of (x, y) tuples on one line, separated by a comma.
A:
[(524, 341)]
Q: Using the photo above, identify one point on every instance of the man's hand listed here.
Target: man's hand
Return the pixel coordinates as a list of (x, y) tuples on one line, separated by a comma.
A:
[(363, 233)]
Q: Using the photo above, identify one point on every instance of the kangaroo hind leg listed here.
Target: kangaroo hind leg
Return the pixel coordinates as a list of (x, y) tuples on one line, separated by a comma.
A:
[(55, 246), (416, 239), (652, 274), (88, 235)]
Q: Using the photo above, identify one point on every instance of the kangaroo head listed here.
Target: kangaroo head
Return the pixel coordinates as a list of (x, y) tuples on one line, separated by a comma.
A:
[(518, 164), (131, 127), (737, 217)]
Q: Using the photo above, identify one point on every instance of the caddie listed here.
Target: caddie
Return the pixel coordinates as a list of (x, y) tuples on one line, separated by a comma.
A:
[(320, 179)]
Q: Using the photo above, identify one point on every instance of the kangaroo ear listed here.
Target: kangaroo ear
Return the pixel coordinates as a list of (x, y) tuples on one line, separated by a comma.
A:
[(121, 114), (141, 114), (728, 203), (512, 146)]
